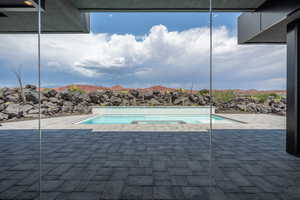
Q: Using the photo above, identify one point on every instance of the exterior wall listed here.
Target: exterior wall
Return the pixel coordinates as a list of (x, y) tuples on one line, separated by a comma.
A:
[(293, 95), (268, 23)]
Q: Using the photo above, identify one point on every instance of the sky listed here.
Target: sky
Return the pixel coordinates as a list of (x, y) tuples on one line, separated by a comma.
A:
[(145, 49)]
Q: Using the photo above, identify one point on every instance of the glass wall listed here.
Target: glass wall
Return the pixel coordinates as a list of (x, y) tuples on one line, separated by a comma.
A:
[(146, 78), (144, 105), (249, 82), (19, 139)]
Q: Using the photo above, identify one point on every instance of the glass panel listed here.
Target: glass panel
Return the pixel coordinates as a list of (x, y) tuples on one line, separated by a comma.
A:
[(249, 81), (19, 135), (136, 73)]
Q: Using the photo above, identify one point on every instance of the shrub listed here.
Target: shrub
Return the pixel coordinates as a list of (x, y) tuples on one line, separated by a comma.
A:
[(223, 96), (203, 92), (262, 98), (124, 92), (1, 92), (276, 96), (46, 90), (181, 90), (74, 88)]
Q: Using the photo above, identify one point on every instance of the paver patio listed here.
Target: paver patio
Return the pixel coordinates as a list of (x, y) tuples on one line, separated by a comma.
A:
[(90, 164)]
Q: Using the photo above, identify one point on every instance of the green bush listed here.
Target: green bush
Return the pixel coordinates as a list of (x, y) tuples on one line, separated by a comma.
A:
[(181, 90), (124, 92), (46, 90), (262, 98), (203, 92), (277, 96), (74, 88), (1, 92), (223, 96)]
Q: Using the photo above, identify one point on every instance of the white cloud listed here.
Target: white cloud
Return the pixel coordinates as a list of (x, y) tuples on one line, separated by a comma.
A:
[(160, 57)]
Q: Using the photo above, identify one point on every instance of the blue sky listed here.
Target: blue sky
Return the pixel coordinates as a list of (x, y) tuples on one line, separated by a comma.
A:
[(141, 23), (145, 49)]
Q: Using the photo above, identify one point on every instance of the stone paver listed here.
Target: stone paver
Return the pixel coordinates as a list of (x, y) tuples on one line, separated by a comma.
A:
[(90, 164), (140, 180)]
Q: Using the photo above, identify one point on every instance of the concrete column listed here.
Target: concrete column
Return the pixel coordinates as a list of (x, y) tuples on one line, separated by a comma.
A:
[(293, 93)]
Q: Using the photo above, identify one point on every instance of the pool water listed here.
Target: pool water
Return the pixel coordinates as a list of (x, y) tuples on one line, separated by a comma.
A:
[(154, 119)]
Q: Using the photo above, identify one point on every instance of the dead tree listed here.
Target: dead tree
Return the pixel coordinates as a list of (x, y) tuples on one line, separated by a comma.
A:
[(18, 75), (192, 87)]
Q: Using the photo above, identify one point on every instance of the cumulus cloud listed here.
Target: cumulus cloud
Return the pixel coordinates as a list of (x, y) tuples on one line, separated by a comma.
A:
[(165, 57)]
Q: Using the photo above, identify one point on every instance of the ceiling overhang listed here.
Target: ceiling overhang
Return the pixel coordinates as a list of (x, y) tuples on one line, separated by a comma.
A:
[(58, 16), (72, 16), (20, 5), (167, 5)]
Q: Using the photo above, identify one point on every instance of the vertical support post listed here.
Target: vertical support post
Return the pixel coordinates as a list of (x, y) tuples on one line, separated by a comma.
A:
[(293, 93)]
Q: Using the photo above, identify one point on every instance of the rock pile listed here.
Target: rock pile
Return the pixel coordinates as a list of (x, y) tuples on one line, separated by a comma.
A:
[(251, 105), (54, 103)]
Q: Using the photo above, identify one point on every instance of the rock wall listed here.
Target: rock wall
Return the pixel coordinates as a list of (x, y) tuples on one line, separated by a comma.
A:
[(250, 105), (68, 102)]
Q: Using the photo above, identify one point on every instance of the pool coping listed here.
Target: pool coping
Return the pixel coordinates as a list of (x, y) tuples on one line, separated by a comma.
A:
[(139, 121), (235, 120), (80, 122), (254, 121), (180, 107)]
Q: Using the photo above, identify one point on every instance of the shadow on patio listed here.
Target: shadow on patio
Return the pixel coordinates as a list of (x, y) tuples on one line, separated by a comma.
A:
[(82, 164)]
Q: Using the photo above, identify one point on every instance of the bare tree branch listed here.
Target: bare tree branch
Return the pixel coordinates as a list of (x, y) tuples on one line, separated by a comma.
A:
[(18, 75), (192, 87)]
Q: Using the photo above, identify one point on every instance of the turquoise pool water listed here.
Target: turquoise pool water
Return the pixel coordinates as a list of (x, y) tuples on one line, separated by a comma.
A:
[(154, 119)]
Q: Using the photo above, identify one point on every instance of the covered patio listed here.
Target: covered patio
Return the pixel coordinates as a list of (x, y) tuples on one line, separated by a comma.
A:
[(90, 162), (86, 164), (63, 160)]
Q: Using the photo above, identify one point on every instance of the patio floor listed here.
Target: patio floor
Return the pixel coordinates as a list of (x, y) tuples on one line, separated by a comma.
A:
[(92, 164)]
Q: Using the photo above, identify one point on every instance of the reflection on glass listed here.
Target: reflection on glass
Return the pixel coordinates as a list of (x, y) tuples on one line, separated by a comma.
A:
[(138, 105), (19, 139), (133, 107), (249, 153)]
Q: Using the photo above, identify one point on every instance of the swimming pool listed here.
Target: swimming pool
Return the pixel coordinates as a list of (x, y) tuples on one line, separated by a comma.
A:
[(155, 119)]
